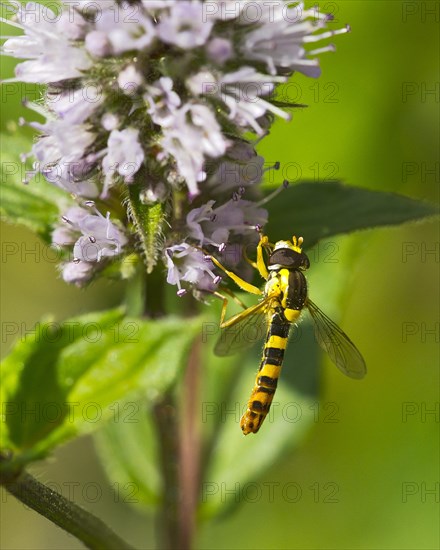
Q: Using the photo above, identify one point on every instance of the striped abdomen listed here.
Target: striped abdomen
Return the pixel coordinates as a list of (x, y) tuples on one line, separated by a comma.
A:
[(268, 374), (293, 293)]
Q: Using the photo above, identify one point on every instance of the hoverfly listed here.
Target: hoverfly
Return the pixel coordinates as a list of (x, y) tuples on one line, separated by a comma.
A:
[(284, 297)]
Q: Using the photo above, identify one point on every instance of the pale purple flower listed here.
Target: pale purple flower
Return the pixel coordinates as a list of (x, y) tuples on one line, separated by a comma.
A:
[(67, 233), (193, 135), (233, 175), (124, 156), (76, 106), (185, 25), (71, 174), (92, 236), (98, 44), (189, 264), (162, 101), (279, 38), (154, 5), (53, 55), (100, 239), (223, 10), (77, 273), (194, 219), (242, 92), (220, 50), (61, 139), (216, 226), (110, 121), (123, 30), (130, 80), (60, 155)]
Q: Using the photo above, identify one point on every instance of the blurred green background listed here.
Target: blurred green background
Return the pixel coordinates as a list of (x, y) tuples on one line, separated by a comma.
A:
[(372, 120)]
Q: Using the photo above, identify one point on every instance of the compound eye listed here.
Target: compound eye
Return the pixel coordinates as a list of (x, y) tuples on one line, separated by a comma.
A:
[(305, 263)]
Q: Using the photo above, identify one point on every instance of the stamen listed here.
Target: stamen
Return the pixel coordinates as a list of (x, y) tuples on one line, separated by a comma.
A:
[(12, 23), (328, 34), (28, 175), (329, 48), (181, 292), (257, 141), (92, 240), (39, 109), (25, 156), (93, 157), (217, 279), (272, 195), (222, 248)]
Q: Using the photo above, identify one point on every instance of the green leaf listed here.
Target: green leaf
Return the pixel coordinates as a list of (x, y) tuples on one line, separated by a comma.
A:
[(235, 462), (68, 378), (33, 205), (320, 210), (129, 451)]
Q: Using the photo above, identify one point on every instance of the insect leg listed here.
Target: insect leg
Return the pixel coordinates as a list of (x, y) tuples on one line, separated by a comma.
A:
[(225, 300), (237, 280), (249, 261), (260, 264)]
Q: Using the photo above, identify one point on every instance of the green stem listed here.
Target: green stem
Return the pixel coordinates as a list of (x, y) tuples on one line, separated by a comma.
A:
[(178, 438), (154, 297), (169, 516), (167, 429), (190, 446), (90, 530)]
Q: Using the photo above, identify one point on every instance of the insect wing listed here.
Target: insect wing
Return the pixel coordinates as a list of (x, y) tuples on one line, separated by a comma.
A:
[(337, 344), (245, 329)]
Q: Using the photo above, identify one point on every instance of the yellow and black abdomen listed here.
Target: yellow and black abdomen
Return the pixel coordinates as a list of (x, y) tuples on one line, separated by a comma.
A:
[(293, 295)]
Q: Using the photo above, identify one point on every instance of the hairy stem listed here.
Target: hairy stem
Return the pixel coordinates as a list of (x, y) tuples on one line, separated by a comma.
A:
[(90, 530)]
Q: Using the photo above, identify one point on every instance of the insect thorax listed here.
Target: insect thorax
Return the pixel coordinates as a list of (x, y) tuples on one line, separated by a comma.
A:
[(289, 286)]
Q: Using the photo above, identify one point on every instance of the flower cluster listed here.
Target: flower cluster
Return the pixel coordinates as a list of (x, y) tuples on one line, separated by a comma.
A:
[(156, 102)]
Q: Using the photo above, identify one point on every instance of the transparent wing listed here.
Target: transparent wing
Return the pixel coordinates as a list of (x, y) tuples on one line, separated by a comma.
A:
[(337, 344), (245, 329)]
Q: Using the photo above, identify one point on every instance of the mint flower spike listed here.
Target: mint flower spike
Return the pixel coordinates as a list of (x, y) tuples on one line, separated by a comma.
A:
[(151, 115)]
